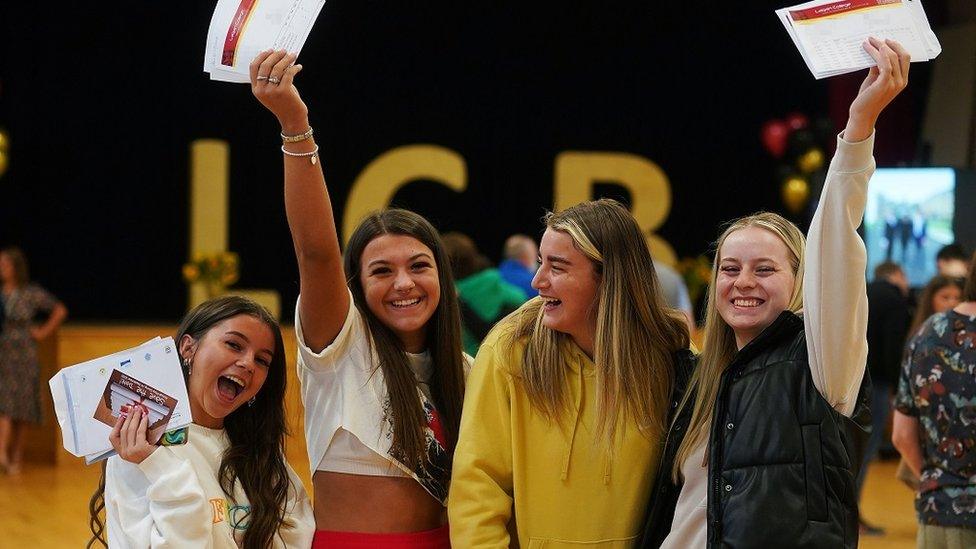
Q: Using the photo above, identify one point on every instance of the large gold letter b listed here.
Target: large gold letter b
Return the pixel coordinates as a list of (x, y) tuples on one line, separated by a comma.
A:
[(650, 192)]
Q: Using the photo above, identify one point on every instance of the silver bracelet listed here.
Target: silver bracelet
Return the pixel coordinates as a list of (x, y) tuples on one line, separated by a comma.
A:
[(312, 155), (297, 138)]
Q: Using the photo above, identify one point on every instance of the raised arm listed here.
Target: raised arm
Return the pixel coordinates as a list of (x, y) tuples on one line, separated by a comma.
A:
[(324, 296), (834, 288)]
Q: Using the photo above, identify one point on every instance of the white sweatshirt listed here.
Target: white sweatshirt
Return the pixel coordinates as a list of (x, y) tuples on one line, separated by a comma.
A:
[(173, 499)]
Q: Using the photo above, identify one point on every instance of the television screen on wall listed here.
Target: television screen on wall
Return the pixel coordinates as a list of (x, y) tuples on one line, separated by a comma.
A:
[(909, 217)]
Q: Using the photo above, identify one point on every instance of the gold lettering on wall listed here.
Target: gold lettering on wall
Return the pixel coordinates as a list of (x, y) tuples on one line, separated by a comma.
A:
[(576, 172), (381, 178), (209, 165), (209, 168)]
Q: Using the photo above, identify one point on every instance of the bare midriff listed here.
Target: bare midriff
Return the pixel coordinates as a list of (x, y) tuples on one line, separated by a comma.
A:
[(361, 503)]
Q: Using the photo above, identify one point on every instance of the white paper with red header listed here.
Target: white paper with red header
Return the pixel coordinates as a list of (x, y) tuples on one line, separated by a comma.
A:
[(241, 29), (829, 34), (89, 396)]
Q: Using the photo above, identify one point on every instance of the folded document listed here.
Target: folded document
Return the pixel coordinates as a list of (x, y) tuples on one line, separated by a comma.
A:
[(241, 29), (829, 34)]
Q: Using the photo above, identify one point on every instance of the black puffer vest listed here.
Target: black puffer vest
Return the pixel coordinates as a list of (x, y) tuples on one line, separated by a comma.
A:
[(781, 460)]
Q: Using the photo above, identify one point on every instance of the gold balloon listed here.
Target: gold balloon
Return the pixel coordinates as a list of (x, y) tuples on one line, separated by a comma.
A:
[(810, 161), (4, 141), (796, 192), (3, 163)]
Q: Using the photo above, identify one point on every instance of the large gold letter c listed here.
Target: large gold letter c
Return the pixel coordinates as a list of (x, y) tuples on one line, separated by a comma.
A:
[(381, 178)]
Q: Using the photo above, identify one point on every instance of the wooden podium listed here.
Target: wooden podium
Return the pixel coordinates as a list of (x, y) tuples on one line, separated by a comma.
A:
[(41, 442)]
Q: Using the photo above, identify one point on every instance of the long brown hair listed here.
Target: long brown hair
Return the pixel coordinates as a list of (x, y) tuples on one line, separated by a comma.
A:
[(636, 334), (719, 347), (925, 308), (256, 432), (443, 339)]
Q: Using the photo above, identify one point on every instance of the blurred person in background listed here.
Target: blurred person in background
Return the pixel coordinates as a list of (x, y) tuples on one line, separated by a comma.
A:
[(935, 423), (23, 301), (485, 297), (919, 230), (520, 263), (939, 295), (888, 320), (952, 260), (675, 292)]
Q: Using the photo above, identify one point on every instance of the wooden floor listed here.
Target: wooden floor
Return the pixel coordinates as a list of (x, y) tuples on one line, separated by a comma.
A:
[(47, 507)]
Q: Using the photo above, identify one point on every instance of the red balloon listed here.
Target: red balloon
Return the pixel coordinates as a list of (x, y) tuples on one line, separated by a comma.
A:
[(774, 134), (797, 121)]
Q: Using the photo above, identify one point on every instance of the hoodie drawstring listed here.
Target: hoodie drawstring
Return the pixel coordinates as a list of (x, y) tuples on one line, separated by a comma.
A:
[(577, 406)]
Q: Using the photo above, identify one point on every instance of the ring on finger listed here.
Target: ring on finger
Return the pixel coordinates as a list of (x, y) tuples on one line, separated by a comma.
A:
[(262, 77), (273, 80)]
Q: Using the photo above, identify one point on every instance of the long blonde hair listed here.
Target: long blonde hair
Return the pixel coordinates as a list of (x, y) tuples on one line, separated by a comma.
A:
[(719, 347), (636, 334)]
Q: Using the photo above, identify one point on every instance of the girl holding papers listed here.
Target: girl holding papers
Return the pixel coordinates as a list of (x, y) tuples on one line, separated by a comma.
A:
[(379, 350), (228, 485), (760, 452)]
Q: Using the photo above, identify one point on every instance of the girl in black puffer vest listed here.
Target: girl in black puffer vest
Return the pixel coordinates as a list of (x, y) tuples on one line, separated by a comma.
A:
[(761, 449)]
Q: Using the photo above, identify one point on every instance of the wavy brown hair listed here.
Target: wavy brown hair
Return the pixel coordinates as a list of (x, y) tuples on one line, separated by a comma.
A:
[(443, 339), (256, 432)]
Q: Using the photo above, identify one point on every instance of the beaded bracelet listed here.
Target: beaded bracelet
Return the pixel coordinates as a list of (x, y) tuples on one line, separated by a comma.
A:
[(312, 155), (297, 138)]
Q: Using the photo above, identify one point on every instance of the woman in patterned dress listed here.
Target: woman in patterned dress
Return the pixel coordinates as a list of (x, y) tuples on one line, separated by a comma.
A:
[(19, 370)]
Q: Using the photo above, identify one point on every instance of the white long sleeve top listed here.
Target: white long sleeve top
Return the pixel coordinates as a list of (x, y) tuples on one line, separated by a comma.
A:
[(835, 316), (174, 499)]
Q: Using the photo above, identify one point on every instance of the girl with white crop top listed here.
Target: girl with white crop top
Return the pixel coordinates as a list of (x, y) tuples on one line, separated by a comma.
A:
[(379, 350), (228, 485)]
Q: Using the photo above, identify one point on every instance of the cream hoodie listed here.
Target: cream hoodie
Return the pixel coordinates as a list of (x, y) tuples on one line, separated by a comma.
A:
[(173, 499)]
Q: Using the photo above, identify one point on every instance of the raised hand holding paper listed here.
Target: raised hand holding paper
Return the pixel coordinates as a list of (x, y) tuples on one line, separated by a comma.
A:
[(829, 34), (240, 29)]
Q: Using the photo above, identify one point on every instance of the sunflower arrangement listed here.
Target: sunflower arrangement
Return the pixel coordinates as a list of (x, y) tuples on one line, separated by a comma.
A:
[(213, 269)]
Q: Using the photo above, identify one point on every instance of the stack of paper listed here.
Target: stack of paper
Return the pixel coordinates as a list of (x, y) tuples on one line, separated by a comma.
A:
[(241, 29), (89, 397), (829, 34)]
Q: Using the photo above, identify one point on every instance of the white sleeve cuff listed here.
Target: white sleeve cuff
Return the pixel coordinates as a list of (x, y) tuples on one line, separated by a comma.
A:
[(853, 157)]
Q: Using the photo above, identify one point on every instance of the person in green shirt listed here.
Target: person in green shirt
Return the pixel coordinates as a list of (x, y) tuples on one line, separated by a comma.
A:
[(485, 297)]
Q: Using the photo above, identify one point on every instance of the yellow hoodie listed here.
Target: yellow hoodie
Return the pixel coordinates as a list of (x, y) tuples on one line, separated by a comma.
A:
[(520, 480)]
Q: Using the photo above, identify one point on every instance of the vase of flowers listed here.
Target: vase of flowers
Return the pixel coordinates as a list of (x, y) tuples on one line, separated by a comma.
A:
[(215, 271)]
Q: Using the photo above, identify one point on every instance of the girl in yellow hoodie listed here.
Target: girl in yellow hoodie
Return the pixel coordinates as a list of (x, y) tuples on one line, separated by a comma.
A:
[(567, 402)]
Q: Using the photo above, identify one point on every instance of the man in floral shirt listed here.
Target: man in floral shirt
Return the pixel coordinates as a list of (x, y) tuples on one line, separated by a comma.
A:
[(935, 423)]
